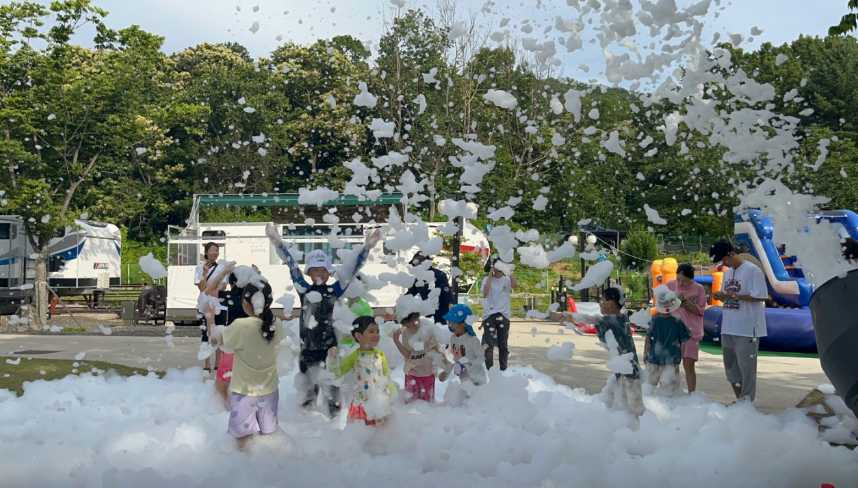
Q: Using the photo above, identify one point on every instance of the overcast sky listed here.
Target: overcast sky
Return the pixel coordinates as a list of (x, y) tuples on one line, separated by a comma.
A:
[(185, 23)]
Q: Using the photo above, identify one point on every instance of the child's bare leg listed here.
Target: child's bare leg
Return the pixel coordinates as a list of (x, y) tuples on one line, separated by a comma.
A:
[(222, 387), (243, 441)]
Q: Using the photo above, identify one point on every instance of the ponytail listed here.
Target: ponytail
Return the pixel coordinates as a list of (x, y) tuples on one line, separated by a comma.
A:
[(266, 315)]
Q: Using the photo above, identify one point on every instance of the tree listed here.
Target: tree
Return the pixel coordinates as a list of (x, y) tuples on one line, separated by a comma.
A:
[(639, 249), (848, 22), (67, 112)]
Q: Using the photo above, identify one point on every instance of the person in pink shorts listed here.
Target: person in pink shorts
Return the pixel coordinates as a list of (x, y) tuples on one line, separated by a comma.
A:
[(419, 347), (693, 297)]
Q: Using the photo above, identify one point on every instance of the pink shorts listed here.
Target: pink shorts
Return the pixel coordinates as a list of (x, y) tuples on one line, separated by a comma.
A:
[(420, 388), (224, 367), (691, 349)]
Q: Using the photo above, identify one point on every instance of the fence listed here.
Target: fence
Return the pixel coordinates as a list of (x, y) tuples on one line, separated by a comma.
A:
[(683, 244)]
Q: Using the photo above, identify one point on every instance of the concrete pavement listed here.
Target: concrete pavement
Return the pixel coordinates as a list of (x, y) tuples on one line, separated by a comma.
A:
[(782, 381)]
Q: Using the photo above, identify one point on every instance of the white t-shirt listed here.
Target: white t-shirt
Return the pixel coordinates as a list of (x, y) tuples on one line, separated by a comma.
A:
[(198, 273), (740, 318), (498, 300)]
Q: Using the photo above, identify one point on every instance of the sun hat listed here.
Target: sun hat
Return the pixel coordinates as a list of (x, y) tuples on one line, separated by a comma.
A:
[(458, 314), (318, 258), (666, 300)]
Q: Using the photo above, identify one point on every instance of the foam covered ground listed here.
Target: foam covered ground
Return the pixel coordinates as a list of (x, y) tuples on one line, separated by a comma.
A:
[(520, 430)]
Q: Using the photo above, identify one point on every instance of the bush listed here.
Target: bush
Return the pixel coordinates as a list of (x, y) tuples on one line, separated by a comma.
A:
[(639, 249)]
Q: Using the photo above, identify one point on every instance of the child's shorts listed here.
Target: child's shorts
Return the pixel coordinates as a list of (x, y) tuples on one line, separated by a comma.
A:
[(250, 415), (224, 367), (420, 387)]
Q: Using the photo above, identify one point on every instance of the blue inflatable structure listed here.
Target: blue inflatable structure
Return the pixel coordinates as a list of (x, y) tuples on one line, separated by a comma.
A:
[(790, 325)]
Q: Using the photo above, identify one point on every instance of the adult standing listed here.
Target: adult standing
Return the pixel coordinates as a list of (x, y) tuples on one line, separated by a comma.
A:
[(497, 289), (693, 297), (422, 289), (204, 271), (743, 318)]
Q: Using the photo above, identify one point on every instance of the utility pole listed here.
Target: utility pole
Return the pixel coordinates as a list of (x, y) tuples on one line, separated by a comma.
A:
[(454, 262)]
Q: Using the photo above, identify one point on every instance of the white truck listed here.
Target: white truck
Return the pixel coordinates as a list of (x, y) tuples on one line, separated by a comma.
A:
[(246, 243), (83, 256)]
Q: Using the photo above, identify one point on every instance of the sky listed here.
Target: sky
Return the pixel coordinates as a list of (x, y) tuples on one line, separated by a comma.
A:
[(185, 23)]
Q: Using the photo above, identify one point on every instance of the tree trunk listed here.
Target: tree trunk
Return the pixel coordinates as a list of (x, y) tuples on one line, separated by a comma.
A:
[(41, 295)]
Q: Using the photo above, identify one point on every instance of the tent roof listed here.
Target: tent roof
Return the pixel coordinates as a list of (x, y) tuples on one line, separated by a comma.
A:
[(290, 200)]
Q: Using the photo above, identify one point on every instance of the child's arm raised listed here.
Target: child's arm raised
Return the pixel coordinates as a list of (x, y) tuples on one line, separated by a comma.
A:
[(286, 256), (347, 275)]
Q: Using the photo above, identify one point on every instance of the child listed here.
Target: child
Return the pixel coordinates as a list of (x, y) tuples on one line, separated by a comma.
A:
[(468, 357), (374, 391), (253, 385), (234, 311), (663, 350), (623, 389), (316, 323), (418, 346)]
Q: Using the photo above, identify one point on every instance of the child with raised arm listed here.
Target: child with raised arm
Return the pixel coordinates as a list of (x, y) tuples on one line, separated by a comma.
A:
[(374, 391), (253, 386), (317, 314), (623, 390)]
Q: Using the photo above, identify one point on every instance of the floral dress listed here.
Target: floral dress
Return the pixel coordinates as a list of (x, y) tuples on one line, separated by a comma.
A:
[(374, 392)]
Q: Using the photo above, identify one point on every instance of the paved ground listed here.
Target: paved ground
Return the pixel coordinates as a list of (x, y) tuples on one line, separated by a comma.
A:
[(783, 381)]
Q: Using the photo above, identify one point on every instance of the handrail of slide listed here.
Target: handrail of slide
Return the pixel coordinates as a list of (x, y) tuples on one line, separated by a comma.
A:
[(756, 230)]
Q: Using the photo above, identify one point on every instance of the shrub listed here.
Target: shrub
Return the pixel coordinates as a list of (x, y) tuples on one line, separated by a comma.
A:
[(639, 249)]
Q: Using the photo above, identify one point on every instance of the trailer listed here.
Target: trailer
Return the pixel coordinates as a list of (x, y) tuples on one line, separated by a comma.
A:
[(84, 256), (246, 243)]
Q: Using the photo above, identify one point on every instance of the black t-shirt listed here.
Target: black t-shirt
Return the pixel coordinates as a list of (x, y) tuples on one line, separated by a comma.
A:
[(234, 309)]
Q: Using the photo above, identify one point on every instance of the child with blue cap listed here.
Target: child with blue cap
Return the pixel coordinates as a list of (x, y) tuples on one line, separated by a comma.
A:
[(468, 356)]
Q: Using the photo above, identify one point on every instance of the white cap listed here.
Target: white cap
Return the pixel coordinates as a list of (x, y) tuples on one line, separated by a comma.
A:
[(666, 300), (318, 259)]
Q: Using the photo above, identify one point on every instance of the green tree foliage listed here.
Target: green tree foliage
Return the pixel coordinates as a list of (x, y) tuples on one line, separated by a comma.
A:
[(127, 134), (639, 249), (848, 22)]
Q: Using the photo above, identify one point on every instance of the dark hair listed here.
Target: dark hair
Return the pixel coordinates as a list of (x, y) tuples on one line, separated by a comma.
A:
[(207, 246), (721, 249), (267, 315), (410, 317), (686, 270), (613, 295), (233, 280), (361, 324)]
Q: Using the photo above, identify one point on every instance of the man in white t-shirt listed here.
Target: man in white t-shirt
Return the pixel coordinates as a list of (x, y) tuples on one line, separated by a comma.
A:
[(743, 317), (497, 288)]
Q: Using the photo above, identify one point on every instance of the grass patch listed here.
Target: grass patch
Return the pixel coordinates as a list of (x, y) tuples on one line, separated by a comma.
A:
[(74, 330), (54, 369), (716, 349)]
